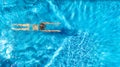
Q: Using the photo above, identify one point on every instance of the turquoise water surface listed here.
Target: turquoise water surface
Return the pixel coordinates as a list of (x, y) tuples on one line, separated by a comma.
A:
[(89, 37)]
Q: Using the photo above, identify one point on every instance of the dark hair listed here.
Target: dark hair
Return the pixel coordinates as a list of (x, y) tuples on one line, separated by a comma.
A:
[(42, 26)]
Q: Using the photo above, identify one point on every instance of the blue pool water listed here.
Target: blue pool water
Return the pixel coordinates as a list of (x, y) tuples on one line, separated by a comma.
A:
[(89, 37)]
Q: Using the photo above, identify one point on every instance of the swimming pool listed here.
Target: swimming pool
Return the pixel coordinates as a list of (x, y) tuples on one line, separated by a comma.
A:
[(89, 37)]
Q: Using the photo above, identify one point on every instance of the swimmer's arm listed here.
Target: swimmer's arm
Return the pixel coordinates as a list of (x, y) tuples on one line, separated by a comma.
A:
[(50, 30), (51, 23)]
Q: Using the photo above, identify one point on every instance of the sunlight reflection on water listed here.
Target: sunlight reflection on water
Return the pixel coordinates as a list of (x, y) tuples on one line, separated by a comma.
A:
[(90, 34)]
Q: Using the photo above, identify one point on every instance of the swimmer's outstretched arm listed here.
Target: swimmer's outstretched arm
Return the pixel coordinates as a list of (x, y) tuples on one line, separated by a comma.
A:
[(45, 23), (50, 30), (51, 23)]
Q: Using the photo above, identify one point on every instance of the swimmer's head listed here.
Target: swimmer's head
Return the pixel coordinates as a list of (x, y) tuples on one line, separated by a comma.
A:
[(42, 26)]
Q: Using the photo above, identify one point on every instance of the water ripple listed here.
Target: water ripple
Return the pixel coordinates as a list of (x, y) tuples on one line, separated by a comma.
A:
[(89, 34)]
